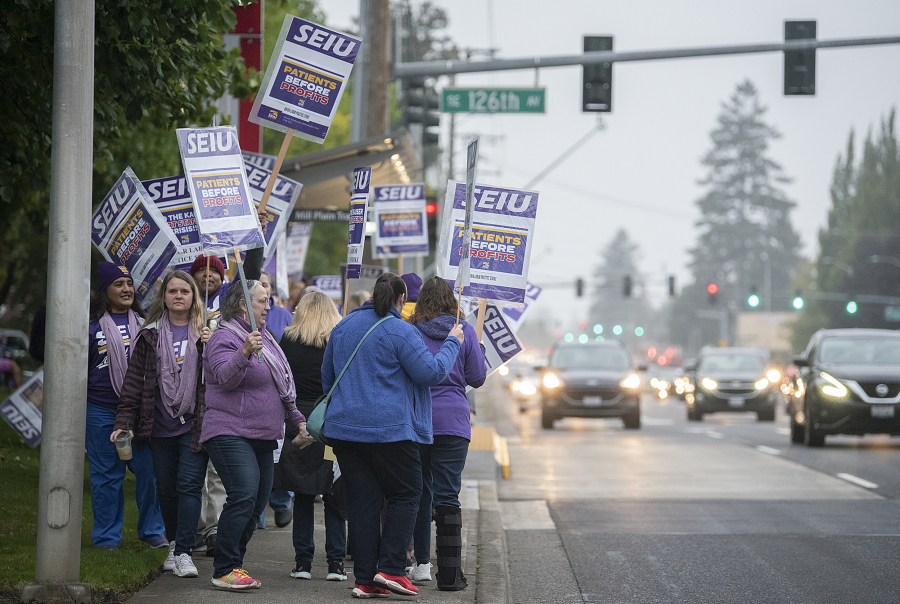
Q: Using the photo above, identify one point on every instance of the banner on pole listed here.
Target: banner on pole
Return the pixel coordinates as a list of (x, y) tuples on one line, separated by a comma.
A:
[(514, 314), (296, 246), (281, 203), (502, 230), (501, 343), (356, 234), (305, 79), (23, 409), (401, 226), (217, 182), (130, 231)]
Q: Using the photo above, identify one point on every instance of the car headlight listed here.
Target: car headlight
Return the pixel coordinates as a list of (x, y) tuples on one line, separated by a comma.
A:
[(774, 375), (761, 384), (551, 381), (503, 370), (631, 382), (708, 383), (515, 385), (527, 388), (831, 386)]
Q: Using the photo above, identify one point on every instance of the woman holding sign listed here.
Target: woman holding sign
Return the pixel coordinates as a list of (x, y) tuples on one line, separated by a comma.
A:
[(380, 412), (115, 319), (162, 399), (249, 397), (444, 459)]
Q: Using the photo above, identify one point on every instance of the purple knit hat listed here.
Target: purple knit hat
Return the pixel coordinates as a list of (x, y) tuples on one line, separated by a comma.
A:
[(107, 272), (413, 286)]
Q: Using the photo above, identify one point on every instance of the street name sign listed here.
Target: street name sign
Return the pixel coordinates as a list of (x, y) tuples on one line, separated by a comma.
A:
[(493, 100)]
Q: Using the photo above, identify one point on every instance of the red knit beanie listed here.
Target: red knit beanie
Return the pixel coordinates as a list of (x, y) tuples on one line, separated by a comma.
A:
[(214, 264)]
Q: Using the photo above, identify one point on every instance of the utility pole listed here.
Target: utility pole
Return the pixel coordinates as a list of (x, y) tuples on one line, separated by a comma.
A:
[(61, 486), (371, 74)]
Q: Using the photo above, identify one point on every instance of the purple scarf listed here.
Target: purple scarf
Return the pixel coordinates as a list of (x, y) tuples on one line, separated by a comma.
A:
[(272, 355), (115, 346), (177, 383)]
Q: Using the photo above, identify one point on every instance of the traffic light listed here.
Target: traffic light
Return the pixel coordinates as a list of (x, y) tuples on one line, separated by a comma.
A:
[(753, 298), (420, 105), (798, 300), (431, 212), (596, 80), (852, 307), (626, 286), (712, 289), (579, 287), (799, 65), (671, 286)]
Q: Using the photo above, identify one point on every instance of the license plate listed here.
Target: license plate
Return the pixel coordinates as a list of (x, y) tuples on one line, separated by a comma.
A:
[(882, 411), (735, 402), (592, 401)]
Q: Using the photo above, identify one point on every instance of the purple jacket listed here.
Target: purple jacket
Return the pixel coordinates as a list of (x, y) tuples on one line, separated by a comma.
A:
[(449, 406), (241, 397)]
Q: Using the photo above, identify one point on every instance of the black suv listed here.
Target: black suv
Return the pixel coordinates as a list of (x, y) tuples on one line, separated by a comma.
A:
[(596, 379), (731, 379), (848, 382)]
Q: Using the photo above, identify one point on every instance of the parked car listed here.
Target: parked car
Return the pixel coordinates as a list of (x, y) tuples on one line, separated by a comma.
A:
[(731, 379), (597, 379), (13, 344), (847, 382)]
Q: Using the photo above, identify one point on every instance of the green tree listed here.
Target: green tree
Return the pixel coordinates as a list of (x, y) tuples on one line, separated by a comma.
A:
[(746, 237), (609, 304), (158, 66)]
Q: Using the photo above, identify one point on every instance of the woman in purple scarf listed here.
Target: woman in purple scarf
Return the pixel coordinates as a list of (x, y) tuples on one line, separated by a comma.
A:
[(249, 397), (115, 319), (162, 400)]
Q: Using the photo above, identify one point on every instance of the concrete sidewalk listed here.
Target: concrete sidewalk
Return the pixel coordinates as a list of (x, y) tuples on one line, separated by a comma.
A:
[(270, 558)]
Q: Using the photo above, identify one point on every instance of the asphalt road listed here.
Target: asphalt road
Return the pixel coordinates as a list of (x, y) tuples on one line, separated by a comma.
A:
[(721, 511)]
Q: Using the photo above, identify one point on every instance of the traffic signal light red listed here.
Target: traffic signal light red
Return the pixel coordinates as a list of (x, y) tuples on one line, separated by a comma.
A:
[(712, 288), (431, 208)]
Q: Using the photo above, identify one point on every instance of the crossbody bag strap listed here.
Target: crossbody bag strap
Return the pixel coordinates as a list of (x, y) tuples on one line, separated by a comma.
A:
[(355, 350)]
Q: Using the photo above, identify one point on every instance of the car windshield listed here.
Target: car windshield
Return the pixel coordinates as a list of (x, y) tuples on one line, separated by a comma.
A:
[(860, 351), (590, 357), (731, 362)]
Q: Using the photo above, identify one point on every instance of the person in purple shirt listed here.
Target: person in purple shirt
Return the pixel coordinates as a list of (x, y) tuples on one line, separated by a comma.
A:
[(249, 397), (444, 460), (162, 400), (115, 319)]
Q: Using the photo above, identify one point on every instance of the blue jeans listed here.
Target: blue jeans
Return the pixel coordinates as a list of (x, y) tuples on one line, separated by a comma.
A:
[(279, 500), (107, 474), (246, 468), (375, 472), (442, 467), (304, 528), (179, 483)]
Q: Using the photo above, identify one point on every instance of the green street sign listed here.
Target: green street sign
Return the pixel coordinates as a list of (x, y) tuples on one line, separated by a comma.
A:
[(492, 100)]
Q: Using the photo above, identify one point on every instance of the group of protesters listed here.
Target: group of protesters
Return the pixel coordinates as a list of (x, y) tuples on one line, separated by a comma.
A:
[(213, 378)]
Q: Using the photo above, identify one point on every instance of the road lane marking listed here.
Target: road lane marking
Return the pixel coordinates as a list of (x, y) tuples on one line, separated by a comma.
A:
[(526, 515), (714, 434), (857, 480), (769, 450), (652, 421), (783, 431)]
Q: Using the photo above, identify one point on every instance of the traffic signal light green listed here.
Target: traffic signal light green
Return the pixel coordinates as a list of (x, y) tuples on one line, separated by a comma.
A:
[(753, 301), (797, 303), (851, 307)]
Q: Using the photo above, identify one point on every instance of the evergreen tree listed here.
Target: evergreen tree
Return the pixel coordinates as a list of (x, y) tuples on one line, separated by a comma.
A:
[(746, 239)]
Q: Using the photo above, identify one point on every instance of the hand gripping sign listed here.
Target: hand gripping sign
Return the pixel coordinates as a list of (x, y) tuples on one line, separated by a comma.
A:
[(401, 227), (130, 231), (220, 192), (502, 230)]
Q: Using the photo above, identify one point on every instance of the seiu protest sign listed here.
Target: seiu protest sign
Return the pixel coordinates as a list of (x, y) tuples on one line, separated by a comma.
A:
[(173, 199), (305, 79), (280, 205), (400, 222), (23, 409), (356, 232), (500, 342), (295, 248), (130, 231), (515, 313), (502, 230), (223, 202)]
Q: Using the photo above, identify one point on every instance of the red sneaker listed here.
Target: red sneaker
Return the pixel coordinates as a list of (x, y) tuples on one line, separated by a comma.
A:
[(370, 591), (399, 585)]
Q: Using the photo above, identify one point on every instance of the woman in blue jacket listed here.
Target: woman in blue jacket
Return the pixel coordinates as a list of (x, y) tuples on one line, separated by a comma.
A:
[(380, 411)]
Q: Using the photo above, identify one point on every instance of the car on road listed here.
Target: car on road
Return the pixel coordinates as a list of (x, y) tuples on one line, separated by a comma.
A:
[(732, 379), (847, 382), (596, 379)]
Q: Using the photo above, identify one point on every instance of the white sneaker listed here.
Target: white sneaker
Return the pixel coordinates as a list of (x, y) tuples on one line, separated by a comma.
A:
[(184, 566), (421, 572), (169, 564)]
